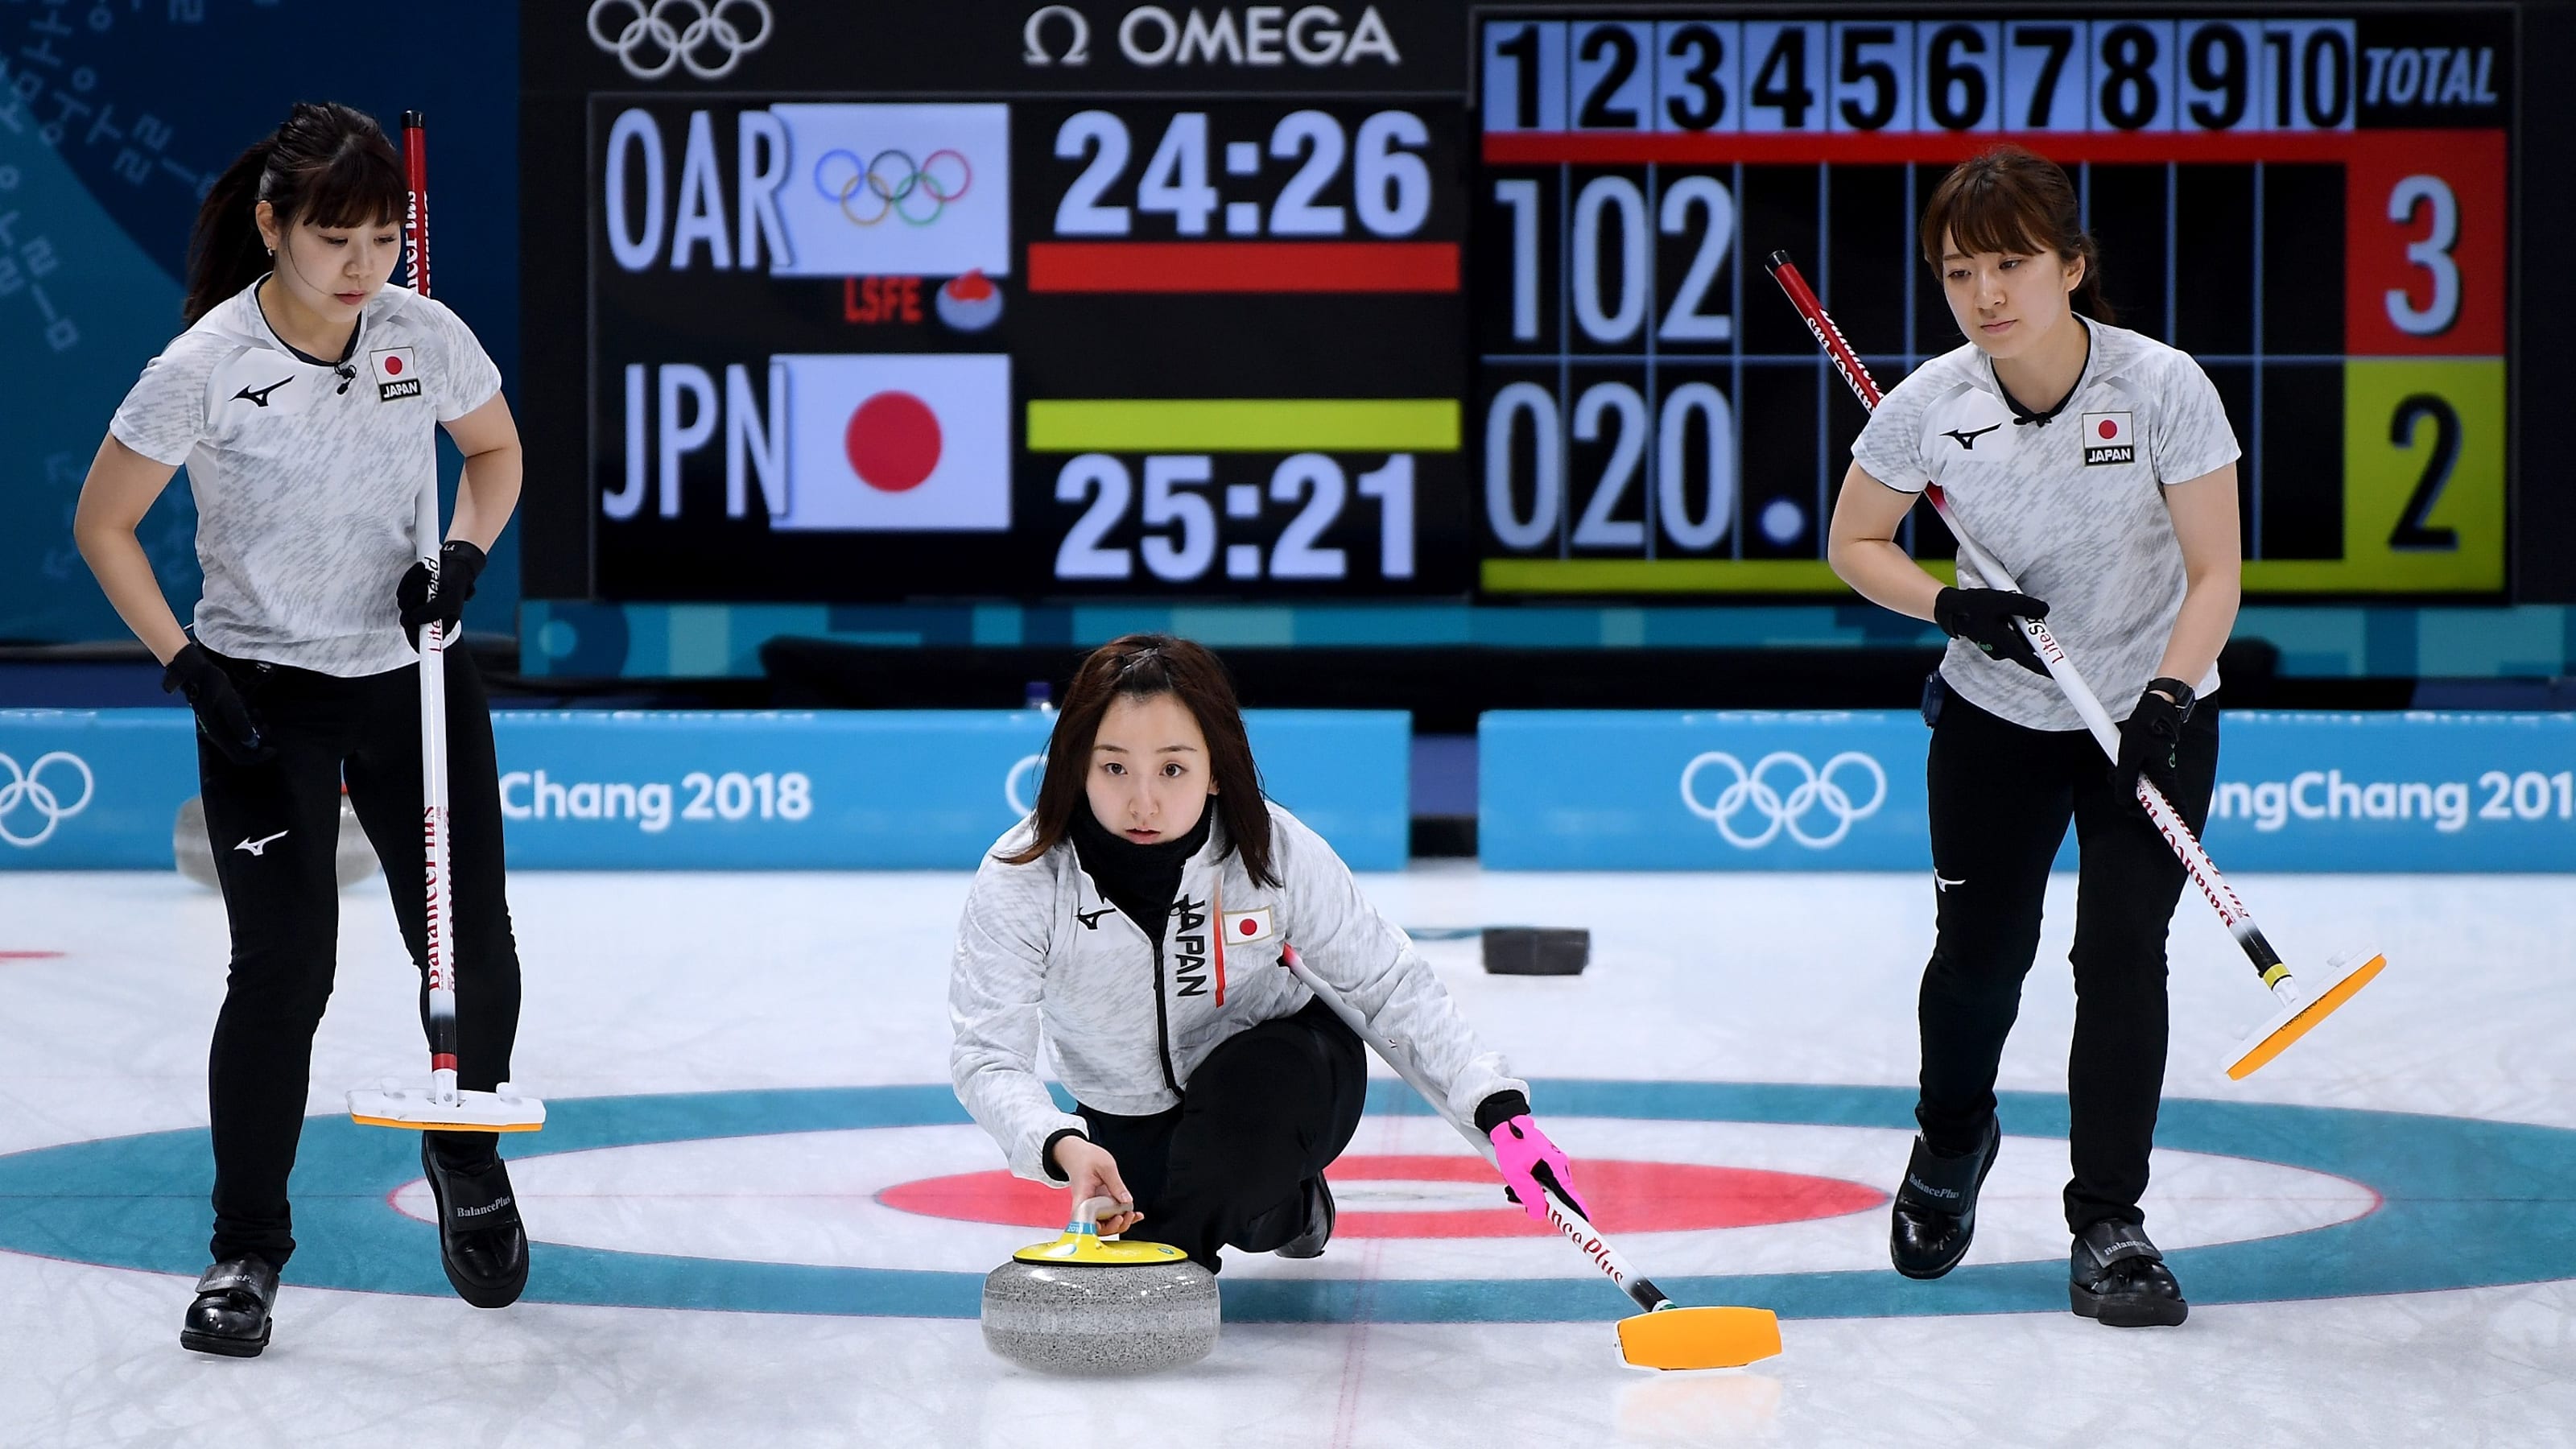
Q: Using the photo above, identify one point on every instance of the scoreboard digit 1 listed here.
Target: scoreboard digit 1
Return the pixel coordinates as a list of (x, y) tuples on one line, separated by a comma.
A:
[(2313, 204)]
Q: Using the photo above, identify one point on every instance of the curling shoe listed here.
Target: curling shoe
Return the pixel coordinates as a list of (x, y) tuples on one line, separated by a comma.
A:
[(1935, 1217), (230, 1316), (480, 1240), (2114, 1275), (1309, 1242)]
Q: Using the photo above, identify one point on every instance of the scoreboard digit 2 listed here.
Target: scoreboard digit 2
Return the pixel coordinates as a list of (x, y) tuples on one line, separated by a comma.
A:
[(2310, 202)]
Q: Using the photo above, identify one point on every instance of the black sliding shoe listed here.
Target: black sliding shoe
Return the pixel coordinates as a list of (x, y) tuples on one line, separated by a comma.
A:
[(2119, 1279), (480, 1240), (230, 1316), (1309, 1242), (1935, 1217)]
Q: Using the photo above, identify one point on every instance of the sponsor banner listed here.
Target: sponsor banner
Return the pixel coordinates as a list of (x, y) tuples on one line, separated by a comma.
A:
[(2400, 792), (589, 790), (93, 789), (1642, 790)]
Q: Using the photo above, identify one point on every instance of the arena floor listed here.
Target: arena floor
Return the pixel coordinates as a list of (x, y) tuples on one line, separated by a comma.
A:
[(760, 1218)]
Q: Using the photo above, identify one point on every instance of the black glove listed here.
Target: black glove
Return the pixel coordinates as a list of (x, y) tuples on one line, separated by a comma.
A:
[(222, 716), (2149, 739), (1984, 617), (459, 565)]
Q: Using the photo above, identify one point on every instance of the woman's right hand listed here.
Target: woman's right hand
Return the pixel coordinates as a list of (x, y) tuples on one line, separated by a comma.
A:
[(1094, 1173)]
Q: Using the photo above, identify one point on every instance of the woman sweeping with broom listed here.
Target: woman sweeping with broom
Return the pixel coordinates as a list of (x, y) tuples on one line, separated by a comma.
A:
[(304, 398), (1137, 918)]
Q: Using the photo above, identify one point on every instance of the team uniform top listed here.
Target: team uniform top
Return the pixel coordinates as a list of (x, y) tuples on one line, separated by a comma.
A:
[(2074, 508), (307, 472)]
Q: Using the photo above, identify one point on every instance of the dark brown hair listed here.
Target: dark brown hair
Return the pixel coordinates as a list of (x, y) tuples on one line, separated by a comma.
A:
[(2013, 200), (329, 165), (1140, 666)]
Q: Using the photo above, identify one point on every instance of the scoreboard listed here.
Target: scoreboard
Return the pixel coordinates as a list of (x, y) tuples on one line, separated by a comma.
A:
[(2312, 203), (846, 346), (1098, 299)]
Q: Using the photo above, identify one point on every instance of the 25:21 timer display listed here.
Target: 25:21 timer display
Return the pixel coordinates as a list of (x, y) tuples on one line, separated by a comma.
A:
[(1266, 295)]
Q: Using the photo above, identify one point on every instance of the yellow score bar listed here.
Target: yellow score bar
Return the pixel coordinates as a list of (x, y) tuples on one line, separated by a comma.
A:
[(1243, 425)]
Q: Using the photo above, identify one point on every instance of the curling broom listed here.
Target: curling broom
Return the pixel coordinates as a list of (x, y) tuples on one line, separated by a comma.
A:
[(442, 1107), (1666, 1335), (2296, 1010)]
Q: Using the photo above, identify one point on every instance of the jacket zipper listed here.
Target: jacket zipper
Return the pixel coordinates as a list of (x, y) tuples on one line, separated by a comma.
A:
[(1162, 1021)]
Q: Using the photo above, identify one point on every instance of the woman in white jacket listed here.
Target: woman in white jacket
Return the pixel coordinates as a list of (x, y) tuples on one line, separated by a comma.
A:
[(1137, 918)]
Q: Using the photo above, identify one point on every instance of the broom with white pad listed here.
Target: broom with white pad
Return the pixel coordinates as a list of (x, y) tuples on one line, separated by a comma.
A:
[(441, 1107), (2296, 1009), (1666, 1335)]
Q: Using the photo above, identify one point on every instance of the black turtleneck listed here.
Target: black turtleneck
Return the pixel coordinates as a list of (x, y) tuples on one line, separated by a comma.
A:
[(1140, 880)]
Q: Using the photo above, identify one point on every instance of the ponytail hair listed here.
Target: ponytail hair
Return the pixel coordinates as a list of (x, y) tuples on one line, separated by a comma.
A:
[(2009, 199), (328, 165)]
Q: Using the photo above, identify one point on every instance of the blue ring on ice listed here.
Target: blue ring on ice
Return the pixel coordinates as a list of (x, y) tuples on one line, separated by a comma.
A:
[(2466, 1203)]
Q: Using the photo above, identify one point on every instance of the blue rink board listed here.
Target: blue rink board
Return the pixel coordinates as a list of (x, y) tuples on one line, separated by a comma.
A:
[(2297, 791), (593, 790)]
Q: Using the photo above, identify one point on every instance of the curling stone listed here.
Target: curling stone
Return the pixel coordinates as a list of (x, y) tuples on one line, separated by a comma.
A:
[(1536, 950), (356, 860), (1095, 1306)]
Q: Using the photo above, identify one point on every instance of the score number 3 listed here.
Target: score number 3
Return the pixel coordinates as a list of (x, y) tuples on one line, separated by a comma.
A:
[(2433, 254)]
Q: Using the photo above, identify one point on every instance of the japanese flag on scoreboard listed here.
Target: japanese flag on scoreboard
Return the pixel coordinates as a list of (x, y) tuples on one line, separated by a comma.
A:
[(898, 442)]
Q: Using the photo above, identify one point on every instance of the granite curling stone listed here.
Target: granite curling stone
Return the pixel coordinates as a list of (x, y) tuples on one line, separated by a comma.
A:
[(1095, 1307), (196, 854)]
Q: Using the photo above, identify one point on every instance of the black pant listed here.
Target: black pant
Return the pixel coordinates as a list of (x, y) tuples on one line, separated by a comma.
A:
[(1271, 1107), (2000, 797), (275, 830)]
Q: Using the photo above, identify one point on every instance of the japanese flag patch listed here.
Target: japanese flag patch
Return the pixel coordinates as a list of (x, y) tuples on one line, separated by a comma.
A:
[(2109, 438), (1245, 927), (397, 373)]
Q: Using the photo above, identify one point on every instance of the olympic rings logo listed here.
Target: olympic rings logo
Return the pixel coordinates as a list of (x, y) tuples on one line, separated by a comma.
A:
[(1815, 789), (883, 190), (649, 44), (24, 790), (1027, 771)]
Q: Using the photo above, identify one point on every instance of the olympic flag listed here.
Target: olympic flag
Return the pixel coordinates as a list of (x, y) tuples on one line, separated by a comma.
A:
[(896, 190), (887, 442)]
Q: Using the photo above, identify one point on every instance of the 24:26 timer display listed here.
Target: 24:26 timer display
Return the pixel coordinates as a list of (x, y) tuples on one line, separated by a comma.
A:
[(1241, 374)]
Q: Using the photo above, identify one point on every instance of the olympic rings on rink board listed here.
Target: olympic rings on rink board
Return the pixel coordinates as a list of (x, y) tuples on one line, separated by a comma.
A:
[(1815, 789), (841, 183), (26, 790), (649, 45)]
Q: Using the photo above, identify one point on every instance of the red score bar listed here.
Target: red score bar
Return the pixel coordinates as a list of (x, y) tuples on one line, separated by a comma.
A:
[(1243, 266), (1635, 148)]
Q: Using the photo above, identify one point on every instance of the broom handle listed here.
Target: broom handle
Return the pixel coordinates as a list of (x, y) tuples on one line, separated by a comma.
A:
[(2168, 821), (1562, 1214), (436, 822)]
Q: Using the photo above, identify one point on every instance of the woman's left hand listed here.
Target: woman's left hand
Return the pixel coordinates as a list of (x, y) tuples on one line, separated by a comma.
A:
[(1520, 1149), (2149, 740)]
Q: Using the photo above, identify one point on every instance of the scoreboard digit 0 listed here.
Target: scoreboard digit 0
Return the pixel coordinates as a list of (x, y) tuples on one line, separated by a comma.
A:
[(2313, 204)]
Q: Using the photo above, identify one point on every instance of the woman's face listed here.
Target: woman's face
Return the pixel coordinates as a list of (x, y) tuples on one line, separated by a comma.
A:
[(2008, 303), (332, 269), (1148, 778)]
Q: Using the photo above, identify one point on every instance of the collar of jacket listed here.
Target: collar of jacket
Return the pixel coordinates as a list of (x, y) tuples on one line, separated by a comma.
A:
[(1142, 881)]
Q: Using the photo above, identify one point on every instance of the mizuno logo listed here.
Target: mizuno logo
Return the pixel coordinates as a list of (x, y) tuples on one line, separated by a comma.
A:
[(259, 396), (1942, 883), (1091, 919), (1968, 441), (260, 847)]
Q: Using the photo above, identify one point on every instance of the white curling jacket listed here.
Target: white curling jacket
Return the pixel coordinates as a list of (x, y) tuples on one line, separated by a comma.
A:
[(1040, 951)]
